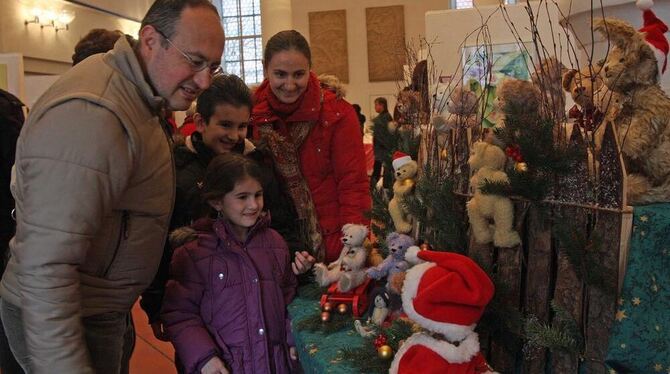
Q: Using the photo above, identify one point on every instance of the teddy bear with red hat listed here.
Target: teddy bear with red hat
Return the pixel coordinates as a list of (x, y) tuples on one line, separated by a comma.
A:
[(445, 294), (405, 170)]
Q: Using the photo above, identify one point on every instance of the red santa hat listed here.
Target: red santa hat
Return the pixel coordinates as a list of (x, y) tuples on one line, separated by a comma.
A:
[(400, 159), (654, 30), (447, 294)]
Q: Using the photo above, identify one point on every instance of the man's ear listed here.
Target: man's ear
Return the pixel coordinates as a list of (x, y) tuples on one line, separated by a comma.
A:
[(149, 38)]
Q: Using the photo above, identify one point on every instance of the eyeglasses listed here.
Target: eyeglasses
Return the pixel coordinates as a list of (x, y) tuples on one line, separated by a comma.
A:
[(196, 65)]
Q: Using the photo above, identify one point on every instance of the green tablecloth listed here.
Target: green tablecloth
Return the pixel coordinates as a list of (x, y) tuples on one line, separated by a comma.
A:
[(318, 352), (640, 338)]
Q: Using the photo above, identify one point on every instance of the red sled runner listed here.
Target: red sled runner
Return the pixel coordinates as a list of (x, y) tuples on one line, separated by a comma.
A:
[(357, 299)]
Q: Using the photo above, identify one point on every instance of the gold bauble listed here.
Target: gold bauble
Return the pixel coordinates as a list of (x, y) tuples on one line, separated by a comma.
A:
[(327, 307), (385, 352), (521, 167), (409, 182), (325, 316), (444, 154), (425, 247), (342, 308)]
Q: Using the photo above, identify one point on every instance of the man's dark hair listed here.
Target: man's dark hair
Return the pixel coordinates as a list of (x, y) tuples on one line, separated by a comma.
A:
[(382, 101), (96, 41), (163, 15), (225, 89)]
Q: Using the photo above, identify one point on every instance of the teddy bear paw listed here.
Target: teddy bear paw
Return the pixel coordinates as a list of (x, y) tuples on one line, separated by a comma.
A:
[(506, 239)]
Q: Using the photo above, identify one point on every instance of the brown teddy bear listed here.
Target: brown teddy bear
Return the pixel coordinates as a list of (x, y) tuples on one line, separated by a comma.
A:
[(547, 77), (462, 107), (631, 68), (581, 84)]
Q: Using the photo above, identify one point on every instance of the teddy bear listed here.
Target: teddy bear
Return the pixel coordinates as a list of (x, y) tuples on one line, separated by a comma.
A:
[(405, 170), (611, 105), (395, 262), (547, 77), (488, 162), (524, 95), (462, 107), (446, 296), (582, 85), (352, 258), (632, 68)]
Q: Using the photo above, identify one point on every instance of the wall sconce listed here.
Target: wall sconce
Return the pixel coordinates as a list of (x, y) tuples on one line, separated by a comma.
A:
[(59, 20)]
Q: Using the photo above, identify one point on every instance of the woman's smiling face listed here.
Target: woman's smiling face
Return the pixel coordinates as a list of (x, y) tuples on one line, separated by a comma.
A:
[(288, 75)]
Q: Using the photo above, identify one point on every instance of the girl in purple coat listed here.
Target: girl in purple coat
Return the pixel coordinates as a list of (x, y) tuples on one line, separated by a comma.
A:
[(225, 304)]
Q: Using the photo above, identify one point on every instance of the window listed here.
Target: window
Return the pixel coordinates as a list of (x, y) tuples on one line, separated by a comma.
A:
[(461, 4), (243, 51), (510, 2)]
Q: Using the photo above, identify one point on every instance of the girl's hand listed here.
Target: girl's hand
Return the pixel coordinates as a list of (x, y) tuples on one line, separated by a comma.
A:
[(302, 263), (293, 353), (214, 366)]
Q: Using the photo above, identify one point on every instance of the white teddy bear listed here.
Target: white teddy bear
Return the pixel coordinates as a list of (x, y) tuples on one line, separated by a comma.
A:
[(348, 268)]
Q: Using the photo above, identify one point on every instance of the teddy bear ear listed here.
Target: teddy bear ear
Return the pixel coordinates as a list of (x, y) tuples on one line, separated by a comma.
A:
[(619, 33), (568, 77)]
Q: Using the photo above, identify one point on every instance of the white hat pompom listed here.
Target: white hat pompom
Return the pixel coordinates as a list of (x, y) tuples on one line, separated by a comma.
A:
[(644, 4)]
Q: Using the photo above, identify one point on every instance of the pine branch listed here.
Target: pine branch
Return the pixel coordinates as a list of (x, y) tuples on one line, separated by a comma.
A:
[(382, 224), (584, 254), (500, 188), (440, 213)]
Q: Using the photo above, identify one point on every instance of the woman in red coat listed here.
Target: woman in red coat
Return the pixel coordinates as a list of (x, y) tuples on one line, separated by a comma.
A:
[(314, 142)]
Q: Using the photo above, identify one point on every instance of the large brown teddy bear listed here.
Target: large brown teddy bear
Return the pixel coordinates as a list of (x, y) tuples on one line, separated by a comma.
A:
[(631, 69)]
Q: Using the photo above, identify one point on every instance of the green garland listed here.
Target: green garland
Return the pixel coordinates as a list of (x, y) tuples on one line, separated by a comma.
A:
[(365, 358), (441, 224), (545, 160), (382, 224)]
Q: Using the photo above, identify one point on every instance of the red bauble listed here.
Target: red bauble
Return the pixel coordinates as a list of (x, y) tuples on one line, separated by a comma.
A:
[(380, 341)]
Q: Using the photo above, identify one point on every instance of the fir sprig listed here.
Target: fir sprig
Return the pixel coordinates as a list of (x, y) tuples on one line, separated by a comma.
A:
[(337, 323), (562, 335), (534, 137), (382, 224), (584, 254), (439, 212)]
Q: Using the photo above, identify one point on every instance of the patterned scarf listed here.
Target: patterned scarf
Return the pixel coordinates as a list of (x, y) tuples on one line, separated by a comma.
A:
[(284, 133)]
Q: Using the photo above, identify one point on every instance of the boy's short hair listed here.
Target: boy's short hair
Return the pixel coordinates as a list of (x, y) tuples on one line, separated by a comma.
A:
[(225, 89)]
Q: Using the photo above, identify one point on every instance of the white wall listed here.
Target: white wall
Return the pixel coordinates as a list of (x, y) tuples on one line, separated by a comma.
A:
[(46, 51), (359, 89)]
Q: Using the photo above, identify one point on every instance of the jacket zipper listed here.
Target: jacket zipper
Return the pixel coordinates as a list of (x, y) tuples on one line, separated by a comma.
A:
[(123, 235)]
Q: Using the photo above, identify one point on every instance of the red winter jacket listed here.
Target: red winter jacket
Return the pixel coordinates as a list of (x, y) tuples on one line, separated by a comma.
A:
[(332, 158)]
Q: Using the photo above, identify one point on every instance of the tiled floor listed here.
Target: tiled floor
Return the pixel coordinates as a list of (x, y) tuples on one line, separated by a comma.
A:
[(151, 356)]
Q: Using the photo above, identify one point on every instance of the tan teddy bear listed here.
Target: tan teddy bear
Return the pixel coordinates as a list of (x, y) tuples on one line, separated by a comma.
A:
[(488, 162), (405, 171), (462, 107), (581, 84), (631, 69)]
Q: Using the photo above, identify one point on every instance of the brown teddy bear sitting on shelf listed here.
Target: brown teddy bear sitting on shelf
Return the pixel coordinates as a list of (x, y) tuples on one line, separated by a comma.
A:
[(632, 68)]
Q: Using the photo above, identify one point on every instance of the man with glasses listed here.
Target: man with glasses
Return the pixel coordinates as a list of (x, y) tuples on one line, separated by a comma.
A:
[(94, 188)]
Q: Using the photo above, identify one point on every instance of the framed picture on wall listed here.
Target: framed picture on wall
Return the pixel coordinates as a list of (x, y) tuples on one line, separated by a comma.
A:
[(484, 67)]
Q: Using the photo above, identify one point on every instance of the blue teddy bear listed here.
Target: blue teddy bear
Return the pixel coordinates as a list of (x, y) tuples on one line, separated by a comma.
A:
[(395, 261)]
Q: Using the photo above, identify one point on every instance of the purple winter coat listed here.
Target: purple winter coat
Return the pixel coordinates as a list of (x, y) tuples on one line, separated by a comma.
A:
[(228, 299)]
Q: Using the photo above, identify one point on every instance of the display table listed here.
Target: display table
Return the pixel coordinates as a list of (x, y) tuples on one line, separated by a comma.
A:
[(640, 338), (318, 352)]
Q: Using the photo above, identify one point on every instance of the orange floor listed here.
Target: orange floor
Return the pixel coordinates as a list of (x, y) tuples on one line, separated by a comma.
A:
[(151, 356)]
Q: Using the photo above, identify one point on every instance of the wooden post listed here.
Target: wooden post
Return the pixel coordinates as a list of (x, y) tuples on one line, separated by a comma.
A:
[(569, 291), (538, 277), (508, 273)]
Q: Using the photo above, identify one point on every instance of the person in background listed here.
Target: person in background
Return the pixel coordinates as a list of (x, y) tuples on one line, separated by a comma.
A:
[(314, 144), (221, 119), (96, 41), (225, 303), (11, 121), (361, 117), (384, 144), (95, 189)]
